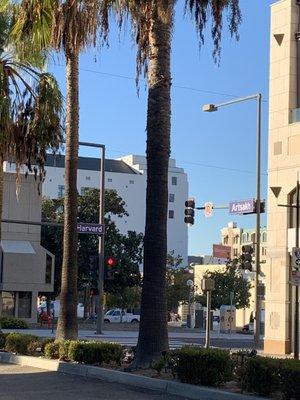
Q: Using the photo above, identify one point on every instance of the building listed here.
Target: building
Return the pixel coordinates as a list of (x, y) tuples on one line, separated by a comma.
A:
[(128, 176), (236, 237), (26, 268), (284, 164)]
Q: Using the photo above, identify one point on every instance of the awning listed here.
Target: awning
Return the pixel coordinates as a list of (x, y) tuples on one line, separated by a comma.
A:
[(17, 246)]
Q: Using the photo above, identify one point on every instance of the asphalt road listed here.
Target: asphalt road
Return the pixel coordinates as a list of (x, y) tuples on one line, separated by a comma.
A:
[(26, 383)]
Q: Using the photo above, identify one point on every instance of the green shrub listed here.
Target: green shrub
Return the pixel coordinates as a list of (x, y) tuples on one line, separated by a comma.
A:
[(262, 375), (51, 350), (200, 366), (290, 379), (32, 347), (95, 352), (63, 349), (13, 323), (44, 342), (159, 364), (3, 337), (18, 343)]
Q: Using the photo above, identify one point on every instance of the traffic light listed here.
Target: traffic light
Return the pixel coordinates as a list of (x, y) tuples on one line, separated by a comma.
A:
[(262, 206), (246, 257), (189, 212), (94, 264), (108, 272)]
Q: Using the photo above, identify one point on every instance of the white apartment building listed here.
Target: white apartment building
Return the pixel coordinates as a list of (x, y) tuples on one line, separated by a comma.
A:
[(128, 176)]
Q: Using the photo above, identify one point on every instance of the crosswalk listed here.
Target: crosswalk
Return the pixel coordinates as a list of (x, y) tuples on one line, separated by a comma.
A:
[(132, 342)]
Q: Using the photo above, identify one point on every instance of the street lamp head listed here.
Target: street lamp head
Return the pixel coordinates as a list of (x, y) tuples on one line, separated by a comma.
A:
[(209, 108)]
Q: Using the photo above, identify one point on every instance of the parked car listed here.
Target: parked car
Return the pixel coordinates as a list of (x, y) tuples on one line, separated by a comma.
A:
[(117, 315), (248, 328)]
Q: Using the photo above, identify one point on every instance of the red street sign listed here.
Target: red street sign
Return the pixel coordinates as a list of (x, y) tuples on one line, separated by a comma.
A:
[(220, 251), (92, 229)]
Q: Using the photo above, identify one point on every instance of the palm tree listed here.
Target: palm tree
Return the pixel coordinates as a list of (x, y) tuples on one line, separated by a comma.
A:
[(152, 22), (30, 110), (68, 26)]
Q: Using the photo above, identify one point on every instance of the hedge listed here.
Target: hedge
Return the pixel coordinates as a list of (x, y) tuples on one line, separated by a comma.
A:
[(21, 343), (265, 376), (290, 379), (199, 366), (3, 337), (51, 350), (13, 323), (95, 353)]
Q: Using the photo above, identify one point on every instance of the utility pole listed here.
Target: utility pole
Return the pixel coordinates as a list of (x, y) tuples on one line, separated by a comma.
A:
[(296, 321)]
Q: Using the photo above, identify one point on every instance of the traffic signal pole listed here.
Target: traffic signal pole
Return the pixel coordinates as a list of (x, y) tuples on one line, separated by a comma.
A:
[(296, 321)]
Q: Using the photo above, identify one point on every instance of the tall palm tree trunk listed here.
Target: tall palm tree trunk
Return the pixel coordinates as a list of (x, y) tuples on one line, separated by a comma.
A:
[(1, 209), (67, 324), (153, 334)]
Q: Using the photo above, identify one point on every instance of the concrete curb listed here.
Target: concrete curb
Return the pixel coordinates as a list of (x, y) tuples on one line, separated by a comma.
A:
[(125, 378)]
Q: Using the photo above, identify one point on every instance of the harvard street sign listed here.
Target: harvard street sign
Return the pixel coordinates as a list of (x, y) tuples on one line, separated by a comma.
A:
[(92, 229)]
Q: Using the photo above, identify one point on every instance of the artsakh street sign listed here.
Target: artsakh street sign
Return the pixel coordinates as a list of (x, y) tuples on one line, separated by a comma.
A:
[(242, 207), (92, 229)]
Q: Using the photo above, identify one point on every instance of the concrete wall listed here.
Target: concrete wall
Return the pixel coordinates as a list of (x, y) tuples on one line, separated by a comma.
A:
[(284, 162)]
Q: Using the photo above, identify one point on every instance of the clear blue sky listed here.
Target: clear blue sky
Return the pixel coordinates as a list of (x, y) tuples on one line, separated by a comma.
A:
[(216, 150)]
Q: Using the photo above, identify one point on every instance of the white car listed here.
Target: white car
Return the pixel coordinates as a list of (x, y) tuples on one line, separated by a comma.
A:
[(117, 315)]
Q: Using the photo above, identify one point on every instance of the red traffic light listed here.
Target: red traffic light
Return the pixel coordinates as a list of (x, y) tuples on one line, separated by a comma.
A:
[(111, 261)]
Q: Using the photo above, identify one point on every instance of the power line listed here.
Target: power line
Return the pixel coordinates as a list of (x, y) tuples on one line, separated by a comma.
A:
[(143, 80)]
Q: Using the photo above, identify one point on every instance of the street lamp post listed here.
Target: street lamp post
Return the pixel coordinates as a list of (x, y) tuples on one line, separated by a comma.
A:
[(215, 107)]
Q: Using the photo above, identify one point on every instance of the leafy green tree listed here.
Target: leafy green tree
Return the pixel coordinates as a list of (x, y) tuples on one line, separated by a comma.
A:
[(230, 280), (126, 249), (130, 297), (177, 276)]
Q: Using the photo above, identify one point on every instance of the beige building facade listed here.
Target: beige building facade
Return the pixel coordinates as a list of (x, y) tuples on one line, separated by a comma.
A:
[(26, 268), (284, 163)]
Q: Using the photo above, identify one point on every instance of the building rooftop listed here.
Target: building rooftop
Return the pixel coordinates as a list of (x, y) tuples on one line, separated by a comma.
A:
[(91, 164)]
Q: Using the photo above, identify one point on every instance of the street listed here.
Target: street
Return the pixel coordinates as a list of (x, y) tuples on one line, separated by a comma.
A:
[(176, 339), (26, 383)]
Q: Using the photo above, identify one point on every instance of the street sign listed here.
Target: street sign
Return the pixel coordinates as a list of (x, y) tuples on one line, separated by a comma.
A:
[(295, 278), (296, 257), (92, 229), (208, 209), (242, 207)]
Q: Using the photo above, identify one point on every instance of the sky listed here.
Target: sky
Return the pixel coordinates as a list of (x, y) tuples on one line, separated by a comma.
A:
[(216, 150)]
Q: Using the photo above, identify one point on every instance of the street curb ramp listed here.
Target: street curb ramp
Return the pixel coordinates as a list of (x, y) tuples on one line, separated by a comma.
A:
[(107, 375)]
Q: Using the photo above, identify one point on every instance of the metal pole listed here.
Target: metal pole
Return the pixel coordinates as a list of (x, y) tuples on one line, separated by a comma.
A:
[(296, 322), (257, 244), (208, 319), (101, 245)]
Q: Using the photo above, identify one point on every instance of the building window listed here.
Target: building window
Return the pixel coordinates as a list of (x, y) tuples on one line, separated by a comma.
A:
[(24, 305), (87, 178), (84, 190), (236, 240), (235, 252), (8, 304), (61, 191), (263, 251), (171, 214), (253, 238), (225, 240), (109, 180), (171, 198), (174, 180), (131, 182), (264, 237), (48, 275), (245, 237)]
